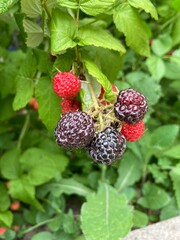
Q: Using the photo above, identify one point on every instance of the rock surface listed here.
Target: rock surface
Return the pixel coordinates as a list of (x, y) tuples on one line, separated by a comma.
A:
[(165, 230)]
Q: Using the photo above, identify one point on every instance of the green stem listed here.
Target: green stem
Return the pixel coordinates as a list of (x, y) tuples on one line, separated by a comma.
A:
[(23, 131), (103, 173), (43, 2), (38, 225)]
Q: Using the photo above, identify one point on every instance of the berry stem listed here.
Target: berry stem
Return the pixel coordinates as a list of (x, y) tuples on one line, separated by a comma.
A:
[(103, 173), (94, 99)]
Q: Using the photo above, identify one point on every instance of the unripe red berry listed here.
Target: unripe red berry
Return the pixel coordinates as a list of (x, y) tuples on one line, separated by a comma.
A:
[(15, 206), (133, 132)]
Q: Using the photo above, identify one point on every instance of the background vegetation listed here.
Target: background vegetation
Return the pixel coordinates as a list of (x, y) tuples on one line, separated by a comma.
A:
[(60, 194)]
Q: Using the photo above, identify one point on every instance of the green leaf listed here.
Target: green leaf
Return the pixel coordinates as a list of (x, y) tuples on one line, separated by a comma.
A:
[(172, 70), (34, 32), (69, 224), (6, 110), (140, 219), (95, 7), (158, 175), (73, 4), (5, 5), (44, 63), (173, 152), (4, 199), (32, 8), (48, 101), (154, 197), (169, 211), (100, 56), (163, 137), (45, 235), (128, 21), (129, 171), (69, 186), (24, 82), (24, 191), (41, 165), (176, 32), (156, 67), (94, 71), (90, 7), (63, 31), (162, 44), (104, 213), (146, 5), (175, 176), (63, 62), (92, 35), (145, 84), (9, 164), (6, 218)]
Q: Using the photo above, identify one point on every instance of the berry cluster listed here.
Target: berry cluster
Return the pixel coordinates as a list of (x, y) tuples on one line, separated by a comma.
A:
[(67, 85), (104, 130)]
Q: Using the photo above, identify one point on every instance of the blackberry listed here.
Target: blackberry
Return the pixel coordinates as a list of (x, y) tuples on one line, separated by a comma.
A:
[(107, 146), (74, 130), (130, 106)]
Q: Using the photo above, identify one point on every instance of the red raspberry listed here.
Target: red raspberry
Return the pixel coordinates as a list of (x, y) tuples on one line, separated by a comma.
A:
[(33, 104), (101, 96), (15, 205), (133, 132), (2, 230), (66, 85), (68, 105)]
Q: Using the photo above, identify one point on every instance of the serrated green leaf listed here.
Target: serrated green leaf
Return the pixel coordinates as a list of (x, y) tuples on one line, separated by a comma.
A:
[(63, 29), (162, 44), (129, 171), (91, 35), (49, 109), (32, 8), (145, 84), (154, 197), (69, 186), (34, 33), (140, 219), (146, 5), (4, 199), (5, 5), (21, 189), (24, 82), (175, 176), (173, 152), (73, 4), (163, 137), (41, 165), (44, 63), (158, 175), (69, 224), (156, 67), (6, 110), (9, 164), (6, 218), (95, 7), (128, 21), (104, 213), (94, 71), (172, 70)]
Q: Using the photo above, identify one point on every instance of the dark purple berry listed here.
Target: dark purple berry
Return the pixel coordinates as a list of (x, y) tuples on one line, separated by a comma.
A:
[(130, 106), (74, 130), (107, 146)]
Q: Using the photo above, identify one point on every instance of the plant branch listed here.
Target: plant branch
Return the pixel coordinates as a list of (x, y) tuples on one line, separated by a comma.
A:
[(23, 131)]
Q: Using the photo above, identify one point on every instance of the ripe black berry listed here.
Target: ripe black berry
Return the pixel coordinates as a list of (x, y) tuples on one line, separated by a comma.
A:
[(131, 106), (74, 130), (107, 146)]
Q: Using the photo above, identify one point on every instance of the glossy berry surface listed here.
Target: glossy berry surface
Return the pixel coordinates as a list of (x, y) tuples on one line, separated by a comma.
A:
[(133, 132), (66, 85), (68, 105), (74, 130), (130, 106), (107, 146)]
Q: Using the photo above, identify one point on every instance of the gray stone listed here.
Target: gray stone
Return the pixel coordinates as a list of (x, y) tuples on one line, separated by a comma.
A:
[(165, 230)]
